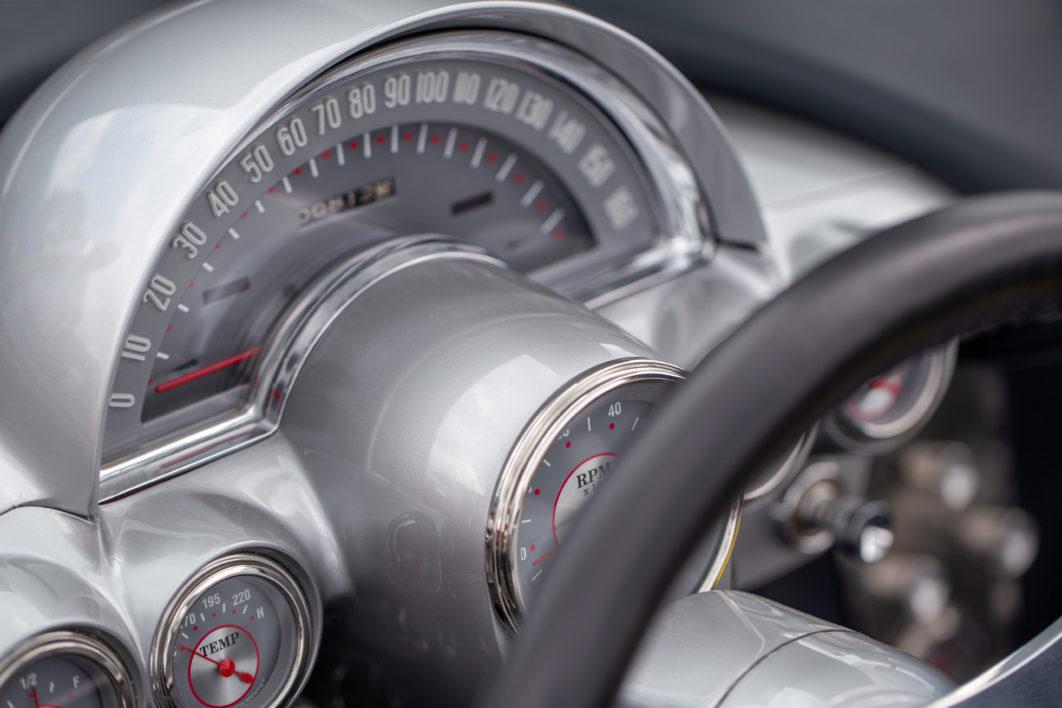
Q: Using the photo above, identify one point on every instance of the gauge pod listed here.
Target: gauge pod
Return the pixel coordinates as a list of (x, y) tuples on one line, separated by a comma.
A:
[(237, 634), (67, 668), (565, 455), (888, 409)]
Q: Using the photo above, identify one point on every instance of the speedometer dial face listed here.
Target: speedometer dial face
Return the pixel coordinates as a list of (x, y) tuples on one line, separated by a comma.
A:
[(467, 136)]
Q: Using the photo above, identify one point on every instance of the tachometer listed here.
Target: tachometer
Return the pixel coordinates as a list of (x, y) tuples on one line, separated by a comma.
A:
[(565, 456)]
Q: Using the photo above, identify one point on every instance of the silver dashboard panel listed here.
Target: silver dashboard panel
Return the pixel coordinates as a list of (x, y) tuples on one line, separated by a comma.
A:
[(71, 262), (93, 246)]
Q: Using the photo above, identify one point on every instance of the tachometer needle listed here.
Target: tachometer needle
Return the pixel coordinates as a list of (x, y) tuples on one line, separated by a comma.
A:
[(226, 667), (208, 370)]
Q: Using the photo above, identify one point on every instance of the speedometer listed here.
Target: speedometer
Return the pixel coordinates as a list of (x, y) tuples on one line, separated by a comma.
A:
[(494, 139)]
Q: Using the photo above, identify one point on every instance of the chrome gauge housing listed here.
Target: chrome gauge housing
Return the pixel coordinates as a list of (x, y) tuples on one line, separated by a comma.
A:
[(67, 667), (890, 408), (515, 144), (560, 462), (239, 633)]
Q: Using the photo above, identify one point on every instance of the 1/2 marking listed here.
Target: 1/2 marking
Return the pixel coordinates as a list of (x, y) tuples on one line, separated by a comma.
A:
[(588, 423), (635, 424), (368, 145), (287, 184), (182, 307), (259, 207), (235, 235), (546, 463), (341, 157), (313, 169), (208, 268)]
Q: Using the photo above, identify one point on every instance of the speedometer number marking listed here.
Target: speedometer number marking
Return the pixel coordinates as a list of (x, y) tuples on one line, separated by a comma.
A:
[(501, 95), (221, 198), (136, 347)]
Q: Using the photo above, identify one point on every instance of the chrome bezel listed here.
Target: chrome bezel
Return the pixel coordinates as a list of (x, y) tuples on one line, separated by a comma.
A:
[(83, 643), (871, 438), (261, 565), (526, 455), (296, 335), (791, 464), (679, 207)]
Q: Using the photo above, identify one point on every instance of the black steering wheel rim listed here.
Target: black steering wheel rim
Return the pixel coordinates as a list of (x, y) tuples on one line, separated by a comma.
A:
[(980, 263)]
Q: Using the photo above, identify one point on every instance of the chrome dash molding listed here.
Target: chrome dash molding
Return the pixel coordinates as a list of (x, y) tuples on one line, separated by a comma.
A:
[(297, 334)]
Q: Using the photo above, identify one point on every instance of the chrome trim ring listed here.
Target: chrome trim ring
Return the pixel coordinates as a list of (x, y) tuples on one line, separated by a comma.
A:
[(297, 334), (264, 567), (866, 437), (791, 464), (87, 644), (517, 475)]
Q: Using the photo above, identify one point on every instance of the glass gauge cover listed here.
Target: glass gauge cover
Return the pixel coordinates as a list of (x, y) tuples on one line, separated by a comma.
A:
[(449, 135), (66, 669), (564, 457), (889, 408), (238, 634)]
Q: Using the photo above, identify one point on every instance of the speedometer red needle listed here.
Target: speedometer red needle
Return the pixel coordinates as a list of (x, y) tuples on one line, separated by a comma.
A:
[(226, 668), (544, 557), (207, 370)]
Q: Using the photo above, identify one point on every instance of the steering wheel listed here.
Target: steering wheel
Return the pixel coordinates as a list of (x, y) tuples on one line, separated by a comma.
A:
[(973, 266)]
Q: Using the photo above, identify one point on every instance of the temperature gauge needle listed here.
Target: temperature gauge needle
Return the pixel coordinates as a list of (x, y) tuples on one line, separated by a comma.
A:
[(226, 668), (208, 370)]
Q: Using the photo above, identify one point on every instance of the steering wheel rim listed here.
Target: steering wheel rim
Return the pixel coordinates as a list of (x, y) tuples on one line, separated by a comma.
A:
[(971, 266)]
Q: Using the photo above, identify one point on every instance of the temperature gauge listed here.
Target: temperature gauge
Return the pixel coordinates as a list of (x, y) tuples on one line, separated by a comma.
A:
[(237, 634), (65, 669), (892, 406)]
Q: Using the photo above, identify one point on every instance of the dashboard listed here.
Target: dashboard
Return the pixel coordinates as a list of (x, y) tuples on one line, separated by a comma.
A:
[(315, 349)]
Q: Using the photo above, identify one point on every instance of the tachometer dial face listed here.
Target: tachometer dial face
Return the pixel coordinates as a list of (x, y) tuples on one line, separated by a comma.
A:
[(564, 458), (65, 670), (575, 466), (236, 636), (449, 135)]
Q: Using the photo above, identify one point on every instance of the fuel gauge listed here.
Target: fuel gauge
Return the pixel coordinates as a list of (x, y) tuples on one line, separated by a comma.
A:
[(65, 669), (237, 634)]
